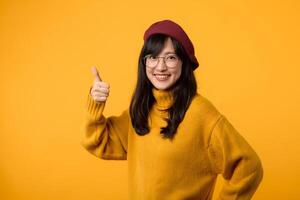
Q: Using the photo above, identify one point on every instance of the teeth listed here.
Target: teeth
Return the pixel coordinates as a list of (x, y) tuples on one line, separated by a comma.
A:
[(161, 77)]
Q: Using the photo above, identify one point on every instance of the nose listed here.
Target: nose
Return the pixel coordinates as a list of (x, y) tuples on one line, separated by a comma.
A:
[(161, 65)]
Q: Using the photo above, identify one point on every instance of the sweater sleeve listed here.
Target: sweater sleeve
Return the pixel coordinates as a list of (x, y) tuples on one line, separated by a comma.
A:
[(105, 137), (236, 160)]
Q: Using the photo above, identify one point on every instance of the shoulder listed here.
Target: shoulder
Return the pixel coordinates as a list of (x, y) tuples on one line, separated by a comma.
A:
[(203, 106), (203, 114)]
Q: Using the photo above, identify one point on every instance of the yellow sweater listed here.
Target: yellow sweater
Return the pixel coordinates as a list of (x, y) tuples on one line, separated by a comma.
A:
[(205, 145)]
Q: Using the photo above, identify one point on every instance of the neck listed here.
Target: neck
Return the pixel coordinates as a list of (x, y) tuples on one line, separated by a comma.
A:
[(163, 98)]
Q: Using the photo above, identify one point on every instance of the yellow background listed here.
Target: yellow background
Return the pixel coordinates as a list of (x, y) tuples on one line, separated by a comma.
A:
[(249, 68)]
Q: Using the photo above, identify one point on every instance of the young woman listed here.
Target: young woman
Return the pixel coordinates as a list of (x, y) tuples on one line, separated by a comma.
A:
[(175, 140)]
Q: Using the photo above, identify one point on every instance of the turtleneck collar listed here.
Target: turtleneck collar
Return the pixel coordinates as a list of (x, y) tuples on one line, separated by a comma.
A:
[(163, 98)]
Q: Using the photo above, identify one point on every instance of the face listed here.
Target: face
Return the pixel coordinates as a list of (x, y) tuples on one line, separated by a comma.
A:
[(161, 76)]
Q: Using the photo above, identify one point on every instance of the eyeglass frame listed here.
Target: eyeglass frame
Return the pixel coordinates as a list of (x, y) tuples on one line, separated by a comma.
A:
[(164, 57)]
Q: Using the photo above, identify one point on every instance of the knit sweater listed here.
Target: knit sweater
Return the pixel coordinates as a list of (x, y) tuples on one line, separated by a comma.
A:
[(206, 144)]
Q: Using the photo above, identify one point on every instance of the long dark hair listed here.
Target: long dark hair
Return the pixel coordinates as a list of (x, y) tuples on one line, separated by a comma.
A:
[(182, 91)]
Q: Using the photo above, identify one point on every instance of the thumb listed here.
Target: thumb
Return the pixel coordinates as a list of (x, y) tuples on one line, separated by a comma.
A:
[(96, 74)]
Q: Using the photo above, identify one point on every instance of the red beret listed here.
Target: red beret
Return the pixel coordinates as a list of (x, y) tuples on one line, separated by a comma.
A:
[(172, 29)]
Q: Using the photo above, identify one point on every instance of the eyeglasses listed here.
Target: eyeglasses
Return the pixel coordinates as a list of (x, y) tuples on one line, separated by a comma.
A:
[(171, 60)]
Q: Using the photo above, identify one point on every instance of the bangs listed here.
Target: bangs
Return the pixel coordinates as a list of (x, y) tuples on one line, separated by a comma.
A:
[(155, 44)]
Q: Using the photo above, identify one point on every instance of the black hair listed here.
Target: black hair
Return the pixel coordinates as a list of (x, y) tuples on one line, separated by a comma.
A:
[(182, 91)]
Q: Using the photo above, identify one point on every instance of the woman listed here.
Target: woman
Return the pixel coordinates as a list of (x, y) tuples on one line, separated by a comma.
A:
[(175, 140)]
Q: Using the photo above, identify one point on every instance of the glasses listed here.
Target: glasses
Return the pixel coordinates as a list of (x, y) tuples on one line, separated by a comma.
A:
[(170, 60)]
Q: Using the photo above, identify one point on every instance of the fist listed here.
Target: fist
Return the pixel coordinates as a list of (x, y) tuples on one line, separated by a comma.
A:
[(100, 89)]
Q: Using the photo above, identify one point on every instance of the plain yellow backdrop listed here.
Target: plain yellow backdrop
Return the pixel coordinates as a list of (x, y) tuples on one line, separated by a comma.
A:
[(249, 69)]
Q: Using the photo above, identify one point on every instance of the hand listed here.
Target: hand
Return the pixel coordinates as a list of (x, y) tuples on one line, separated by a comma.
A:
[(100, 89)]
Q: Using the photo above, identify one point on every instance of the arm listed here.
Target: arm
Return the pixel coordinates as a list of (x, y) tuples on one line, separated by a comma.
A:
[(236, 160), (104, 137)]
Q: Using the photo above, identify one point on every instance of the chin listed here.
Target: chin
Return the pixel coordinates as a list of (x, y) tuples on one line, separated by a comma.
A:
[(161, 86)]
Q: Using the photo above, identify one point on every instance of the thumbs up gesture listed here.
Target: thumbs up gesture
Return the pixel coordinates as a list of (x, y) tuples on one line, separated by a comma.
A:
[(100, 89)]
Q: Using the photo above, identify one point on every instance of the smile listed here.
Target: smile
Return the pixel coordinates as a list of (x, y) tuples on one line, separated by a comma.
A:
[(162, 77)]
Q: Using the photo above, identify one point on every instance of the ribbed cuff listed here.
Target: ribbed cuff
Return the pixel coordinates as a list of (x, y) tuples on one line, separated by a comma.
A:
[(94, 108)]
